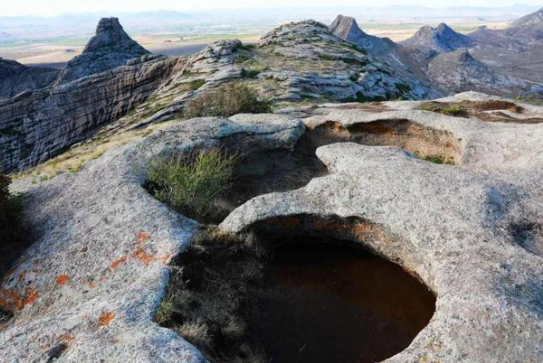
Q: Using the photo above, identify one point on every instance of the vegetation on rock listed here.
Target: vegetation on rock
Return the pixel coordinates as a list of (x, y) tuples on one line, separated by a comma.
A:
[(445, 109), (192, 184), (225, 101), (209, 285)]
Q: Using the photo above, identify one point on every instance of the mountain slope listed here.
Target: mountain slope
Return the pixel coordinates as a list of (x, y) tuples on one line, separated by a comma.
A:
[(458, 71), (16, 78), (440, 39), (530, 20)]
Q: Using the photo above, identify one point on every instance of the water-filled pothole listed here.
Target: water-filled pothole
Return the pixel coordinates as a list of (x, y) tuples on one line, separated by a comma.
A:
[(285, 298), (329, 303)]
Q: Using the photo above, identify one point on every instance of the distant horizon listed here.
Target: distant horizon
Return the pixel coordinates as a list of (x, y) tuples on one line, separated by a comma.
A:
[(66, 9)]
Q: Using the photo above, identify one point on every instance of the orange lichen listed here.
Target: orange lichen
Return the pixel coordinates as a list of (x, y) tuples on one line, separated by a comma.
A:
[(66, 338), (31, 295), (142, 237), (62, 279), (115, 264), (106, 318), (22, 275), (143, 256), (11, 300), (166, 258)]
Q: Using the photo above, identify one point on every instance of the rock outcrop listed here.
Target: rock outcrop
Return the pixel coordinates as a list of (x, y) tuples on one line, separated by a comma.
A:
[(88, 289), (346, 28), (39, 125), (458, 71), (110, 48), (530, 20), (16, 78), (440, 39), (97, 273)]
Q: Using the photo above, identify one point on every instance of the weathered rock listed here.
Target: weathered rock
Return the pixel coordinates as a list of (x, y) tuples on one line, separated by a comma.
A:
[(472, 232), (347, 28), (530, 20), (110, 48), (16, 78), (458, 71), (440, 39), (41, 124), (93, 280)]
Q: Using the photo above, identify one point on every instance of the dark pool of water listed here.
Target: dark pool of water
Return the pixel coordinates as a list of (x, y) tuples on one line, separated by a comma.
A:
[(330, 303)]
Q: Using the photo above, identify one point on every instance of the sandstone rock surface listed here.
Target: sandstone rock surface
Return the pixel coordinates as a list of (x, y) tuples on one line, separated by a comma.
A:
[(88, 288)]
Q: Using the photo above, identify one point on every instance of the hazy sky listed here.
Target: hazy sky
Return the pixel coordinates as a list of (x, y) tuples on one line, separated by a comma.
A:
[(54, 7)]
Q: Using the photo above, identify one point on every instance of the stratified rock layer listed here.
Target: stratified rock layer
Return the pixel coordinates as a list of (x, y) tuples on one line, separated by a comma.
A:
[(41, 124), (16, 78)]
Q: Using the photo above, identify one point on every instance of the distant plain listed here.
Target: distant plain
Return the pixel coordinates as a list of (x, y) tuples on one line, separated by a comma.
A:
[(57, 50)]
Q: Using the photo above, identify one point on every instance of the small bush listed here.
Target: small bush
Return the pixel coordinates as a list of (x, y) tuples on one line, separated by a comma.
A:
[(443, 108), (437, 159), (453, 110), (192, 184), (12, 235), (196, 84), (225, 101)]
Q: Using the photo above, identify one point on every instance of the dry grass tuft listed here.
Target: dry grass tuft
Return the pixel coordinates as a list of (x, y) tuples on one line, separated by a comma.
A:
[(227, 100)]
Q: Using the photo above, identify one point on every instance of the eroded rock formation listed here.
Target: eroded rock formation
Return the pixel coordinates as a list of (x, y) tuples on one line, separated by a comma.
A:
[(90, 285), (110, 48)]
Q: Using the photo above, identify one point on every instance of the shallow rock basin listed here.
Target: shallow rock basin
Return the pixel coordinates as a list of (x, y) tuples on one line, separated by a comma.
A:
[(328, 302)]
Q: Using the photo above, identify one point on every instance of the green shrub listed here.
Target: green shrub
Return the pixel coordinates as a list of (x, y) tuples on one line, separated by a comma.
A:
[(225, 101), (12, 236), (326, 57), (438, 159), (196, 84), (193, 184), (443, 108), (453, 110)]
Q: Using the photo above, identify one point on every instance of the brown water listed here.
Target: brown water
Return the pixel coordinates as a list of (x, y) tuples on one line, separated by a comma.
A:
[(330, 303)]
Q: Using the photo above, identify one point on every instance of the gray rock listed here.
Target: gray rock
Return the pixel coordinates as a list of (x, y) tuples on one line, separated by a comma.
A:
[(94, 278), (110, 48), (16, 78), (470, 232)]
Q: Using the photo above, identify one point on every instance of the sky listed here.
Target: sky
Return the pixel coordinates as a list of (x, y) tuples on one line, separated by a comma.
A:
[(56, 7)]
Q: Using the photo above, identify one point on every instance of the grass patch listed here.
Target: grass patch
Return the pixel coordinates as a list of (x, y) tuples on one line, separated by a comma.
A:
[(193, 184), (227, 100), (443, 108), (196, 84), (209, 285), (326, 57), (531, 100)]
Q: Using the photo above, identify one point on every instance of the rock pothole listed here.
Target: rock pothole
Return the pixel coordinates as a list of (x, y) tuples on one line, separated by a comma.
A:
[(430, 144), (252, 173), (294, 289)]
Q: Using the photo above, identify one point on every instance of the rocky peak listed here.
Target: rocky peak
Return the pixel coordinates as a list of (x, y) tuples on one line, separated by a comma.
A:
[(9, 68), (110, 36), (440, 39), (346, 28), (303, 32), (110, 48), (530, 20)]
